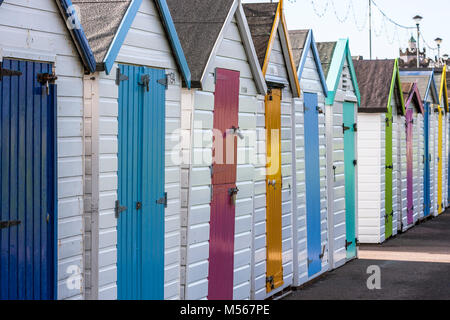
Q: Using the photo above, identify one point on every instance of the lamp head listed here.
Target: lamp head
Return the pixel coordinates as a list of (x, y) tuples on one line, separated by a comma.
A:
[(417, 19)]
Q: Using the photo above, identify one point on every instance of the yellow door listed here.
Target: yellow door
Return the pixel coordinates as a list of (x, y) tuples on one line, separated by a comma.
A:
[(440, 146), (274, 270)]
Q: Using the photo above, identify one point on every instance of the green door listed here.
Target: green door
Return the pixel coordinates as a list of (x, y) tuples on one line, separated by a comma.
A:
[(389, 170), (350, 163)]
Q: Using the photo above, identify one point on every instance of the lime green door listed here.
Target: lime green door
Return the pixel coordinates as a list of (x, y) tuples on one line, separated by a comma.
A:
[(389, 171)]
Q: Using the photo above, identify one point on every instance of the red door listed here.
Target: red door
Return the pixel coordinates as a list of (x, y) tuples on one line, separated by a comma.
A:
[(221, 243)]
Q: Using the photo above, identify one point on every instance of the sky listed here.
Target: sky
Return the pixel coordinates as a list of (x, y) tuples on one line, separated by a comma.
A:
[(322, 16)]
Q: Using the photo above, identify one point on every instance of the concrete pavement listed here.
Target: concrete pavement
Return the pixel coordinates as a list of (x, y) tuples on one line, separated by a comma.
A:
[(414, 266)]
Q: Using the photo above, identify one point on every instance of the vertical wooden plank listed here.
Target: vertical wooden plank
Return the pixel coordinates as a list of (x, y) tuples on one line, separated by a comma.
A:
[(427, 202), (222, 221), (389, 176), (440, 154), (312, 176), (350, 188), (274, 271), (409, 159)]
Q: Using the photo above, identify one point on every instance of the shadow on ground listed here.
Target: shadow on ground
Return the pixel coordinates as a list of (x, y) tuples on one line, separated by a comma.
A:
[(414, 266)]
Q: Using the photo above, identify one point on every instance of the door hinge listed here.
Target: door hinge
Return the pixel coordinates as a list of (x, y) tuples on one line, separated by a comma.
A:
[(120, 77), (271, 282), (334, 173), (8, 73), (168, 79), (319, 110), (355, 127), (163, 200), (8, 224), (355, 162), (357, 243), (118, 209), (45, 79), (145, 82), (390, 167), (322, 254)]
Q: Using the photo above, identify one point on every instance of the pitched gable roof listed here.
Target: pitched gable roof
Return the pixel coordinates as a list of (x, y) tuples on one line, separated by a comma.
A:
[(333, 56), (425, 83), (379, 82), (101, 20), (107, 23), (302, 42), (265, 21), (412, 96), (326, 50), (261, 19), (198, 24)]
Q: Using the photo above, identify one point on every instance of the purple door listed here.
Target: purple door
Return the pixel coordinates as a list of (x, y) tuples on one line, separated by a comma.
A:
[(224, 191), (409, 159)]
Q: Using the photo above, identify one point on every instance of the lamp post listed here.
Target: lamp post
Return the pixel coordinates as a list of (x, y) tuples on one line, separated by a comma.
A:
[(438, 43), (417, 19)]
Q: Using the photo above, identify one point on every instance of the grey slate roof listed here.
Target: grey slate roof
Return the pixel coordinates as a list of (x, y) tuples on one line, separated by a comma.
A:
[(298, 40), (198, 24), (101, 20), (260, 18), (374, 80), (326, 50)]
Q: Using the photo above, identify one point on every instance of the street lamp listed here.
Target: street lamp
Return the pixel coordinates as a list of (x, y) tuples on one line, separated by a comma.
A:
[(417, 19), (438, 42)]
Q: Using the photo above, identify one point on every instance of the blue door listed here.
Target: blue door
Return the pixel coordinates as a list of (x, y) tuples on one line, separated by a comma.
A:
[(312, 176), (426, 160), (27, 181), (141, 197)]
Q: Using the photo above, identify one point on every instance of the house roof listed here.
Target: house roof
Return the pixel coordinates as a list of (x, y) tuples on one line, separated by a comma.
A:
[(379, 82), (412, 96), (199, 24), (101, 20), (298, 42), (333, 55), (326, 50), (106, 24), (302, 42), (442, 81), (265, 21), (261, 18), (425, 83)]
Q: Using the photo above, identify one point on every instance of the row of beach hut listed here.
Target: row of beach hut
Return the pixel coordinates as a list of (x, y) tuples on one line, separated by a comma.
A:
[(170, 149)]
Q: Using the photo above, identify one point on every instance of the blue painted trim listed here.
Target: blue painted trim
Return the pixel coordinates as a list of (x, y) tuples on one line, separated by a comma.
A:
[(175, 41), (79, 36), (311, 44), (121, 34)]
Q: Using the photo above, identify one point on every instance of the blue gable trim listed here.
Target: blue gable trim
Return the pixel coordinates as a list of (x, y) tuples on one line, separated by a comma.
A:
[(122, 32), (170, 29), (77, 32), (175, 41), (311, 44)]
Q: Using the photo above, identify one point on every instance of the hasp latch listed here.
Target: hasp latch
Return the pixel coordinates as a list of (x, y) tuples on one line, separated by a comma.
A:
[(45, 79), (118, 209), (120, 77)]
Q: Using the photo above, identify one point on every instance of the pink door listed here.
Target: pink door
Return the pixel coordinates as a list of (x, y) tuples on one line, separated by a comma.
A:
[(221, 243), (409, 159)]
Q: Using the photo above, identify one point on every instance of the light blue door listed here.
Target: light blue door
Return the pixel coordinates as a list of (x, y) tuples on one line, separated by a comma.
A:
[(350, 163), (312, 176), (141, 197)]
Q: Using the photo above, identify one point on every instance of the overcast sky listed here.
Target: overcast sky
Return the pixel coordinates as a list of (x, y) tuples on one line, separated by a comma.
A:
[(300, 14)]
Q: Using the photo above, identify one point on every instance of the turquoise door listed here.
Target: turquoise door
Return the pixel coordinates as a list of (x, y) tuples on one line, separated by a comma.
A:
[(350, 190), (312, 176), (141, 197)]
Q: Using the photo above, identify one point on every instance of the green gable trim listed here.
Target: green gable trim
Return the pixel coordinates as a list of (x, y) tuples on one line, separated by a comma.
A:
[(396, 80), (341, 53)]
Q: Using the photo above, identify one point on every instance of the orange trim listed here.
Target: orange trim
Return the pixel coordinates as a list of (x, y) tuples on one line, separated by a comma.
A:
[(271, 39), (291, 56)]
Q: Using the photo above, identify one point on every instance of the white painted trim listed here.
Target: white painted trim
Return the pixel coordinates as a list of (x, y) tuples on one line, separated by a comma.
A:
[(329, 132), (219, 40), (250, 49), (34, 55), (287, 60)]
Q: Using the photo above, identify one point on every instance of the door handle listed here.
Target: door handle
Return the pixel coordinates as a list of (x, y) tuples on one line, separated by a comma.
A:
[(138, 205)]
